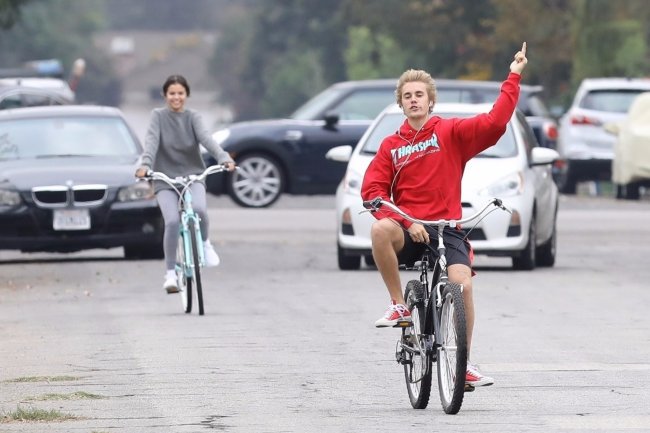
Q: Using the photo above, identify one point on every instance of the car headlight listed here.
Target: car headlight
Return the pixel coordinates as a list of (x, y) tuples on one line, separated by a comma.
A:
[(510, 185), (138, 191), (221, 135), (352, 182), (9, 197)]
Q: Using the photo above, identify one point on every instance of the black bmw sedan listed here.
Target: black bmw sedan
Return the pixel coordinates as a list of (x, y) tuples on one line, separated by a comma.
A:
[(67, 183)]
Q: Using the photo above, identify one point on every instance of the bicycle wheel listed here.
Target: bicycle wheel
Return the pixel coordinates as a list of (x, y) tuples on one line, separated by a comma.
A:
[(417, 362), (184, 281), (452, 349), (195, 238)]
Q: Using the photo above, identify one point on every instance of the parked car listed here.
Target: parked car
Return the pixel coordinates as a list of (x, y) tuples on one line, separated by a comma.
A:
[(583, 143), (22, 96), (67, 183), (631, 164), (34, 91), (288, 155), (516, 169)]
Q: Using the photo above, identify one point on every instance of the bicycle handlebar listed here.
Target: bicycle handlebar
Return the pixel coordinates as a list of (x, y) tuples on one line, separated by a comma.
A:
[(184, 180), (374, 205)]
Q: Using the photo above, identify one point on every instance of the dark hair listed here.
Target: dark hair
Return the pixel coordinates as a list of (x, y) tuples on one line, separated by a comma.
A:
[(176, 79)]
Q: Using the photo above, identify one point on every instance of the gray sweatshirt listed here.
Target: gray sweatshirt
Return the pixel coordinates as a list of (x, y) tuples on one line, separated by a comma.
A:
[(172, 144)]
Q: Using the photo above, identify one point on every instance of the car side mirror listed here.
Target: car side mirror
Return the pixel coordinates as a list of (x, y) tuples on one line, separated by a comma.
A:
[(543, 156), (331, 119), (339, 153)]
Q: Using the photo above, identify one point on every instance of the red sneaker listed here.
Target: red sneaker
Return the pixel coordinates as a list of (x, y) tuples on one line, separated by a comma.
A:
[(396, 315), (474, 378)]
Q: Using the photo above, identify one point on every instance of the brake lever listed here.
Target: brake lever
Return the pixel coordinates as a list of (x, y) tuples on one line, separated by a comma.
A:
[(372, 205), (499, 203)]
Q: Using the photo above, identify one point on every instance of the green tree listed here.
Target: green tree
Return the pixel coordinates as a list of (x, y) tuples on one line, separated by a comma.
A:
[(164, 14), (10, 12), (62, 29), (356, 39), (371, 55), (610, 40), (546, 28), (275, 36)]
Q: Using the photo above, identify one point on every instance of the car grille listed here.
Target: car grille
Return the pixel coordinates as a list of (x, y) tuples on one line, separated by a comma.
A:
[(71, 195)]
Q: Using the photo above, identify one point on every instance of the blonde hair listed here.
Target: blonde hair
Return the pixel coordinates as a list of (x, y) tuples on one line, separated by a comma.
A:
[(417, 75)]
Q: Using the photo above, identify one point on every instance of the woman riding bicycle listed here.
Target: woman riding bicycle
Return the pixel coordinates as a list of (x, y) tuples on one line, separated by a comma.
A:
[(172, 146), (420, 168)]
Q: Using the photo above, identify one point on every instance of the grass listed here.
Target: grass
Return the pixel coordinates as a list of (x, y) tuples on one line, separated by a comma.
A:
[(43, 379), (80, 395), (35, 415)]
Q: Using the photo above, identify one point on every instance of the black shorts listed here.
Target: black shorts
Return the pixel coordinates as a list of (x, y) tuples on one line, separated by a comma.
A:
[(459, 251)]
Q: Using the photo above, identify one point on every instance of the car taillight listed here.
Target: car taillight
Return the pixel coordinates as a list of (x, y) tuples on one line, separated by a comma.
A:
[(585, 120), (550, 130)]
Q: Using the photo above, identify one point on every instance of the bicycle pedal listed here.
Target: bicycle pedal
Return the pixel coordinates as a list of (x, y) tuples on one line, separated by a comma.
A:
[(469, 388), (403, 324)]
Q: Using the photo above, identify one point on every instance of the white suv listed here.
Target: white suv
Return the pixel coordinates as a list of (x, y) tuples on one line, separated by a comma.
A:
[(583, 143)]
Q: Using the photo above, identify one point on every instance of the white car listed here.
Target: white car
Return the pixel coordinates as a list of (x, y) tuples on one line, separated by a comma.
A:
[(584, 144), (516, 169), (631, 164)]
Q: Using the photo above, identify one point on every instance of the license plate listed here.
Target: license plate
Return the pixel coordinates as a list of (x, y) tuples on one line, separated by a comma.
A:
[(71, 219)]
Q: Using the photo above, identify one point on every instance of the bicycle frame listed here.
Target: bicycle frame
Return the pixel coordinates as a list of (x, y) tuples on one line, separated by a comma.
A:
[(190, 256), (187, 214), (437, 331)]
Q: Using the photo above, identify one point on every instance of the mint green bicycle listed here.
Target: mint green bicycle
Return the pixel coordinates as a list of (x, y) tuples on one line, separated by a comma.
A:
[(189, 253)]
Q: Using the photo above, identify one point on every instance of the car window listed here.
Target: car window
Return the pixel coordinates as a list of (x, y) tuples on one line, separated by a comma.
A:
[(364, 104), (534, 105), (361, 104), (11, 101), (390, 123), (314, 107), (18, 100), (530, 139), (610, 100), (65, 136), (387, 125)]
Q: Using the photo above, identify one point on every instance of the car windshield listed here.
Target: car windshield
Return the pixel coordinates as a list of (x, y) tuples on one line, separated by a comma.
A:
[(390, 123), (360, 104), (610, 100), (65, 136)]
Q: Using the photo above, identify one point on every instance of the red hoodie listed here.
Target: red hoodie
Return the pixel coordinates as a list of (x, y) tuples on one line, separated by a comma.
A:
[(430, 163)]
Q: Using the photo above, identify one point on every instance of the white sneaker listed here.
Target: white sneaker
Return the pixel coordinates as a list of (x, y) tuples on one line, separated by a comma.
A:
[(170, 285), (210, 255)]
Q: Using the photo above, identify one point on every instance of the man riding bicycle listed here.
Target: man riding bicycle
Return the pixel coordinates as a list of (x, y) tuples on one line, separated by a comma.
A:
[(420, 168)]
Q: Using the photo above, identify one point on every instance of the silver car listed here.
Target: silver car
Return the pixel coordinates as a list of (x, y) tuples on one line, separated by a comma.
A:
[(583, 143)]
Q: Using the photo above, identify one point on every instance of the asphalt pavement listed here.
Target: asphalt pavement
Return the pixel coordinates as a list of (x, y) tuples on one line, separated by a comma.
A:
[(287, 342)]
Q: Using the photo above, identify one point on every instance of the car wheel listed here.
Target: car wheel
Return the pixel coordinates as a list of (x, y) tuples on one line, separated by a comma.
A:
[(347, 263), (547, 251), (370, 260), (258, 182), (525, 260)]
